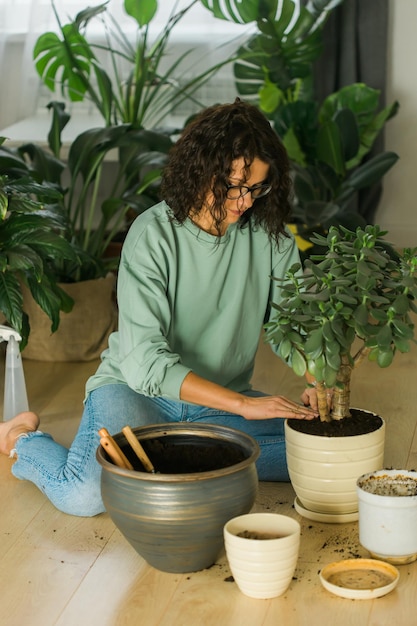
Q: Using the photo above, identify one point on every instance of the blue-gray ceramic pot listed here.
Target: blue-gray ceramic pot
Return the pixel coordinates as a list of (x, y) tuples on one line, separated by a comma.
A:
[(174, 518)]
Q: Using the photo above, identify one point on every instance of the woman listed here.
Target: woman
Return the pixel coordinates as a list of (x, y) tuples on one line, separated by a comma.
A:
[(194, 290)]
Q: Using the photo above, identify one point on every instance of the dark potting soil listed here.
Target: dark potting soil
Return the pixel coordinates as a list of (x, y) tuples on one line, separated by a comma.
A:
[(187, 454), (360, 423), (253, 534)]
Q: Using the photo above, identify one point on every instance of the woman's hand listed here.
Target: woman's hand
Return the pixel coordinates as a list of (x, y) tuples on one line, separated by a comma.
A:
[(309, 397), (200, 391), (265, 407)]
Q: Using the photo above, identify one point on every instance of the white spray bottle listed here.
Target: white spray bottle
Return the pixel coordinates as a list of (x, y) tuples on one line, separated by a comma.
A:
[(15, 396)]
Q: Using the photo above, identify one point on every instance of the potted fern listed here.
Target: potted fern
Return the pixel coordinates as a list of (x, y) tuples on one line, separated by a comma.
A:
[(356, 300)]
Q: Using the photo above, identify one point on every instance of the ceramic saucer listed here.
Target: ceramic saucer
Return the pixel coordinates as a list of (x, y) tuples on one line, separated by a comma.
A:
[(329, 518), (360, 579)]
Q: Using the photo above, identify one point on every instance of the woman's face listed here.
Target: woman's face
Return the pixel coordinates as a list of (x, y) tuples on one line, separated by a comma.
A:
[(256, 175)]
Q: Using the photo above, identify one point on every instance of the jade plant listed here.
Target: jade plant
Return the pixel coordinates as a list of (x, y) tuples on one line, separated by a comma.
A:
[(354, 301)]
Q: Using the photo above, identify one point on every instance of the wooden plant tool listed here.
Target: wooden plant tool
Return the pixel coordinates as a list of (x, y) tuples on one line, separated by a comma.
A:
[(113, 450), (138, 449)]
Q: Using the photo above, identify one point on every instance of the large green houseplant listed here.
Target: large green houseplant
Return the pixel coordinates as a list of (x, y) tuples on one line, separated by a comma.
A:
[(32, 240), (99, 190), (355, 301), (125, 74), (328, 142), (112, 172), (329, 145), (129, 79), (87, 225)]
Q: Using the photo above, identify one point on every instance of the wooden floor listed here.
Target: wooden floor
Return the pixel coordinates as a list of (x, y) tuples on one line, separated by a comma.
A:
[(61, 570)]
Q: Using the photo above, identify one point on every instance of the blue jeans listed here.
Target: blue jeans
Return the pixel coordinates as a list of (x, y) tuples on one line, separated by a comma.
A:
[(71, 478)]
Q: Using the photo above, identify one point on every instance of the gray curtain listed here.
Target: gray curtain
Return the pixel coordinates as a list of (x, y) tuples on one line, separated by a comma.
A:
[(355, 50)]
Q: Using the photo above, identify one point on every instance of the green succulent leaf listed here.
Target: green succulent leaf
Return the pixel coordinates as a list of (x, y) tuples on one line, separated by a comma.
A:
[(314, 344), (328, 334), (330, 376), (298, 363), (385, 358), (402, 329), (401, 304), (361, 314), (285, 348), (333, 357), (378, 315), (401, 344), (384, 337)]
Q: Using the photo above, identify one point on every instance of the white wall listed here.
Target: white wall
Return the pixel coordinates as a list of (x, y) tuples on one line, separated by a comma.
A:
[(397, 212)]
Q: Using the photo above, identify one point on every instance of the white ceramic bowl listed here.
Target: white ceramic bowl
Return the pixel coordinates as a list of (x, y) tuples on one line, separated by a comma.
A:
[(262, 567)]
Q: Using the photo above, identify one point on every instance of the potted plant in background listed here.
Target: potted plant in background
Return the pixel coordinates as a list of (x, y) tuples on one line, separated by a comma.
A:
[(112, 172), (96, 204), (354, 301), (32, 240), (124, 73), (328, 142), (92, 219), (128, 80)]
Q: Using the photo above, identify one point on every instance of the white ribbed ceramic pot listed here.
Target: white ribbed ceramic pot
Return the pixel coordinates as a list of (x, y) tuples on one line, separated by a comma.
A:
[(262, 551), (324, 471), (388, 523)]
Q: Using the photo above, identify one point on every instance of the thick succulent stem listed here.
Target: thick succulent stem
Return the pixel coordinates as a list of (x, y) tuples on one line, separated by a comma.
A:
[(322, 402), (341, 395)]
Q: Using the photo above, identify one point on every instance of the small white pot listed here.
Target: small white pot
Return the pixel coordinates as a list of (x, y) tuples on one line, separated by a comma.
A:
[(388, 523), (324, 470), (262, 550)]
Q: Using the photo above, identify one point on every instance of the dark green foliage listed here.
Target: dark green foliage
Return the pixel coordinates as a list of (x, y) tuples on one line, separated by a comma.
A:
[(32, 241), (357, 298)]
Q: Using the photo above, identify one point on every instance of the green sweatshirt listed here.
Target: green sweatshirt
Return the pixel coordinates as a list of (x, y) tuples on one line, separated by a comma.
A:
[(189, 301)]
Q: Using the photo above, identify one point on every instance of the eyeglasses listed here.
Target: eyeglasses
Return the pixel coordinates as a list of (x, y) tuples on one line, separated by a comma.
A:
[(234, 192)]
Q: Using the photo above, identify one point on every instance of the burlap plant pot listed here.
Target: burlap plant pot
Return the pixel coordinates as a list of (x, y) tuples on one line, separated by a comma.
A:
[(82, 334)]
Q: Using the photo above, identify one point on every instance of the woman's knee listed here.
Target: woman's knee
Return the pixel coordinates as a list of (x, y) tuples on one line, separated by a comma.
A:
[(78, 500)]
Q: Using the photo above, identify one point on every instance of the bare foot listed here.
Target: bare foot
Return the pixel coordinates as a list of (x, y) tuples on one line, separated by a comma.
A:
[(22, 423)]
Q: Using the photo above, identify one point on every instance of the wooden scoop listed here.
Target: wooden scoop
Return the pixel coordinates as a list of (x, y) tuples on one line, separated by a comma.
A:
[(113, 450), (138, 449)]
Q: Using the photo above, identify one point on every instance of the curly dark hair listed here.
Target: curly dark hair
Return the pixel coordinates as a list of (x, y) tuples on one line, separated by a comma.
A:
[(202, 158)]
